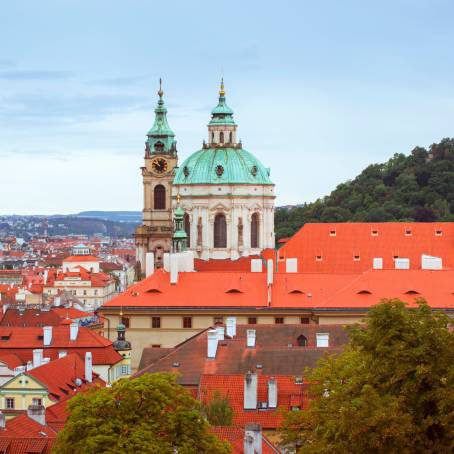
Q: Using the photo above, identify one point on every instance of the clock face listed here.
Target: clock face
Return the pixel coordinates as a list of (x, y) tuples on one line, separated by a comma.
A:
[(159, 165)]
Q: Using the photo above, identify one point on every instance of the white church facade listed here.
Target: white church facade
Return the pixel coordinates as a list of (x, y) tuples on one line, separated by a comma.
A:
[(225, 192)]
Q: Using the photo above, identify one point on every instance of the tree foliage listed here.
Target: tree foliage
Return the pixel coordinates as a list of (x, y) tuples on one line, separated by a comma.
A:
[(218, 411), (418, 187), (391, 391), (148, 414)]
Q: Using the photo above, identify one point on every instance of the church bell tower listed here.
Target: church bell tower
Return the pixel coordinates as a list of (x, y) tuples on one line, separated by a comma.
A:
[(155, 233)]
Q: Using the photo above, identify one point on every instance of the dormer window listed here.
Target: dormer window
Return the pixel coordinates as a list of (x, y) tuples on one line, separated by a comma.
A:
[(408, 232), (356, 258), (374, 232), (438, 232), (318, 258), (332, 232)]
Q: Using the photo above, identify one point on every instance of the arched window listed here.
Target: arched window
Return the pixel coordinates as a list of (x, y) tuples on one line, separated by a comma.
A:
[(187, 229), (255, 231), (230, 137), (212, 137), (220, 231), (159, 197), (302, 340), (221, 137), (159, 147)]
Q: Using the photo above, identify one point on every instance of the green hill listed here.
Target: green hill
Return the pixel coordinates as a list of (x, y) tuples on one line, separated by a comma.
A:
[(418, 187)]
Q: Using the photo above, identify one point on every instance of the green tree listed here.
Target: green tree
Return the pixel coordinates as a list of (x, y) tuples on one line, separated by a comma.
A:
[(148, 414), (391, 391), (218, 411)]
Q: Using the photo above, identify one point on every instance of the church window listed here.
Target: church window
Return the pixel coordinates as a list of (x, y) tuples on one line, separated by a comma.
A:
[(159, 147), (254, 170), (255, 230), (212, 136), (187, 229), (219, 170), (221, 137), (186, 171), (159, 197), (302, 340), (231, 138), (220, 231)]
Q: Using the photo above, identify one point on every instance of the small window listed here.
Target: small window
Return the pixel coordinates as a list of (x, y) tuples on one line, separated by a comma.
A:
[(156, 322), (155, 345), (374, 232), (230, 137), (252, 320), (322, 339), (304, 320), (212, 136), (96, 292), (37, 401), (295, 408), (159, 196), (9, 403), (408, 232), (318, 258), (218, 320), (278, 320), (85, 293), (438, 232), (332, 232), (356, 258), (302, 340), (125, 370), (187, 322), (125, 321)]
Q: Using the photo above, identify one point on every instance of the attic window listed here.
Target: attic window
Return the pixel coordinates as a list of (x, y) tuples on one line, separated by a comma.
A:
[(438, 232), (233, 290), (395, 257), (332, 232), (356, 258), (6, 337), (374, 232), (364, 292), (412, 292), (318, 258), (296, 291), (176, 364), (408, 232), (154, 290)]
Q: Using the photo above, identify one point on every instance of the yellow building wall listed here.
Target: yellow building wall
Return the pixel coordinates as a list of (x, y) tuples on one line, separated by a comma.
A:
[(23, 388)]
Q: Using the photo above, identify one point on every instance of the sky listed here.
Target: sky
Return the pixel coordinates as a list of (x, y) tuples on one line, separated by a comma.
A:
[(320, 90)]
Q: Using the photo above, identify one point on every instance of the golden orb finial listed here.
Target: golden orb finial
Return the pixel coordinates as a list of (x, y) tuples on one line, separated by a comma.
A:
[(160, 92), (221, 90), (178, 199)]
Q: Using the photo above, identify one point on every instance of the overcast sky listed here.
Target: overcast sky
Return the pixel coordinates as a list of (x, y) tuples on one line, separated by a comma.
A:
[(320, 89)]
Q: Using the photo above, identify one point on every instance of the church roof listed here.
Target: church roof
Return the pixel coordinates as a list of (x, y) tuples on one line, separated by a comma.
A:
[(222, 166)]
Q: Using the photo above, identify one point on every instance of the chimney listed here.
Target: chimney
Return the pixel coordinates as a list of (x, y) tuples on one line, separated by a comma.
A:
[(269, 272), (46, 273), (377, 263), (221, 331), (37, 357), (212, 341), (272, 393), (252, 439), (73, 331), (250, 338), (47, 335), (37, 413), (291, 265), (256, 265), (88, 367), (149, 264), (173, 269), (231, 326), (2, 421), (250, 391)]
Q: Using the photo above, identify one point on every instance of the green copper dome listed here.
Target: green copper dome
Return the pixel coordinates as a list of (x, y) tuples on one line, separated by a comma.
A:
[(222, 166)]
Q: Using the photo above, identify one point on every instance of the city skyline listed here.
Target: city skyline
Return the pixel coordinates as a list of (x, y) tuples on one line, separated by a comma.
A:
[(319, 92)]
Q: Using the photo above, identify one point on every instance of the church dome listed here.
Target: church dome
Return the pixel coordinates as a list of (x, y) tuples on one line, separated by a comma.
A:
[(215, 165)]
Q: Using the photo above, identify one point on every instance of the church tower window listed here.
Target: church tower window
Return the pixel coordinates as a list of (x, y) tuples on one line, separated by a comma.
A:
[(212, 136), (159, 147), (230, 137), (159, 197), (221, 137), (255, 231), (187, 229), (220, 231)]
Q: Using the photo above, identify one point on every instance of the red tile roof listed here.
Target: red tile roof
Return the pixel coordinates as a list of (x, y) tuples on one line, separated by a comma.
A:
[(232, 387), (82, 258), (59, 377), (235, 436), (21, 342), (337, 243)]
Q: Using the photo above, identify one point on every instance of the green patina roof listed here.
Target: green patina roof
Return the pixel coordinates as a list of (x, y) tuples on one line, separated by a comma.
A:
[(160, 131), (222, 114), (239, 167)]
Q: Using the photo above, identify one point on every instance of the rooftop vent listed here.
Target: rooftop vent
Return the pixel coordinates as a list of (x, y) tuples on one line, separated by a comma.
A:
[(175, 364)]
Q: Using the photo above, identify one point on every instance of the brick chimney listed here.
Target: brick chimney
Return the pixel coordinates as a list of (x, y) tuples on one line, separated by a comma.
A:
[(252, 439), (231, 326), (37, 357), (250, 391)]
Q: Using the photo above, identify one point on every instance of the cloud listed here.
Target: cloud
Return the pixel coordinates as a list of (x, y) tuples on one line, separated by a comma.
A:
[(32, 74)]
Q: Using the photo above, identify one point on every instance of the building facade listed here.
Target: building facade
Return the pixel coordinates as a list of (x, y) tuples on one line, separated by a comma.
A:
[(226, 193)]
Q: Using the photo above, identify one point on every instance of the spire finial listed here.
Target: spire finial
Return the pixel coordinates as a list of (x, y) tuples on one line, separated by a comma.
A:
[(160, 92), (221, 90)]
